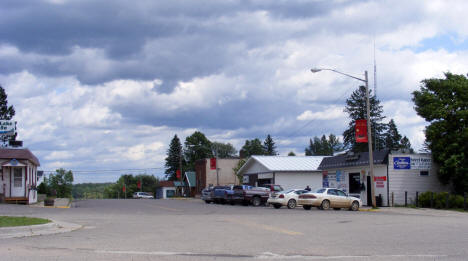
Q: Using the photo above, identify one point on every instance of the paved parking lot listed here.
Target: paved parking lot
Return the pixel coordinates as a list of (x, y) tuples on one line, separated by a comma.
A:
[(192, 230)]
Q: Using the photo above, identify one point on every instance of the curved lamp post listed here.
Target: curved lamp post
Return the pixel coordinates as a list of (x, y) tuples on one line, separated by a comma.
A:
[(369, 130)]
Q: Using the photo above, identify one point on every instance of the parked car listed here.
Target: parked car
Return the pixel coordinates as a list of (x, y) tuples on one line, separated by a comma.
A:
[(326, 198), (207, 195), (285, 198), (251, 195), (273, 187), (142, 195)]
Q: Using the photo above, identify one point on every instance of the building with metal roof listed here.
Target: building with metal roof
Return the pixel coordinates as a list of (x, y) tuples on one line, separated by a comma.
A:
[(290, 172)]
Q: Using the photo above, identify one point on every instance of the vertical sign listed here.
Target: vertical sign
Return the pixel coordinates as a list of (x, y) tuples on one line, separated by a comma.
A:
[(325, 179), (178, 174), (213, 163), (361, 131)]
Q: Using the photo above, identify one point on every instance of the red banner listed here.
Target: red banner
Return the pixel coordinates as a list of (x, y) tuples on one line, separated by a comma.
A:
[(178, 174), (124, 188), (138, 184), (213, 163), (361, 131)]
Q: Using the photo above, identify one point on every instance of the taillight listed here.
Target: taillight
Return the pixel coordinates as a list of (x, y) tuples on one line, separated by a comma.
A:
[(281, 196)]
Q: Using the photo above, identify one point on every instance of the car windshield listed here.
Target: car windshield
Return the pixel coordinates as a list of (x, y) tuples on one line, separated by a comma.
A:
[(289, 191), (320, 190), (277, 188)]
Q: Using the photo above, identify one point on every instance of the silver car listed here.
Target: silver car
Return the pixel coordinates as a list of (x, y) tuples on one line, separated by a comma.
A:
[(326, 198)]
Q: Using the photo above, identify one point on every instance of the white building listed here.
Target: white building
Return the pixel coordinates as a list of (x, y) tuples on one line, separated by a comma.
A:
[(291, 172), (18, 175), (394, 174)]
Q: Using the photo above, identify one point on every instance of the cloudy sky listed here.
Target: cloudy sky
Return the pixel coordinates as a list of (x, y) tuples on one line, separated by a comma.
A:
[(105, 85)]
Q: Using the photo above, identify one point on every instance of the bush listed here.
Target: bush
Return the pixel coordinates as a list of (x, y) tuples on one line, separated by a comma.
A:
[(455, 201)]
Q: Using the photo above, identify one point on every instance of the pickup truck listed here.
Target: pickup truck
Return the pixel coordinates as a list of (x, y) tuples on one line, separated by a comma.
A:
[(221, 194), (207, 195), (250, 195)]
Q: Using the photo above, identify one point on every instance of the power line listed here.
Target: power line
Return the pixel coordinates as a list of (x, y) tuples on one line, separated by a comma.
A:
[(106, 170)]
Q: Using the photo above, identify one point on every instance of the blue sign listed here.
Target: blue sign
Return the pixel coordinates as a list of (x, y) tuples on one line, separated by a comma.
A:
[(338, 175), (402, 163)]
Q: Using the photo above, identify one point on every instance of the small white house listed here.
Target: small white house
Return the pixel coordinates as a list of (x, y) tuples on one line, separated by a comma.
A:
[(395, 174), (291, 172), (18, 175)]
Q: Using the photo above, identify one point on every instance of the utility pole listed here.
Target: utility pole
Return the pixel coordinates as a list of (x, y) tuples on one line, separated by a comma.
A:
[(369, 130)]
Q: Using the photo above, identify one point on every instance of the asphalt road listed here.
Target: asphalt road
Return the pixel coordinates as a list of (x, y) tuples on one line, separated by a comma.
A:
[(192, 230)]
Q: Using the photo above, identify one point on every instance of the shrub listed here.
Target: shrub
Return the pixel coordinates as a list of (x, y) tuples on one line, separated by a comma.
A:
[(455, 201)]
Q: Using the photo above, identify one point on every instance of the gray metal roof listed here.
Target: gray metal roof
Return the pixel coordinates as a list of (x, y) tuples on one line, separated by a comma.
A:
[(354, 159), (285, 163)]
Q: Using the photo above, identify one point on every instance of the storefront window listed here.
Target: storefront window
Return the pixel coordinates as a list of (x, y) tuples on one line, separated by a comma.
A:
[(354, 183)]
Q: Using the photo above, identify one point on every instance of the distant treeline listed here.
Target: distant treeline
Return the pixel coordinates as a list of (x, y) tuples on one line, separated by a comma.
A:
[(149, 183)]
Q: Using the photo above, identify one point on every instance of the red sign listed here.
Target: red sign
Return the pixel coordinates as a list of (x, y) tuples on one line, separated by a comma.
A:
[(124, 188), (361, 131), (138, 184), (213, 163), (178, 174), (382, 178)]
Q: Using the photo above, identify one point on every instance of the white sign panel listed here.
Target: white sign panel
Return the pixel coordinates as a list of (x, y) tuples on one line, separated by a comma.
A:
[(421, 163), (7, 127)]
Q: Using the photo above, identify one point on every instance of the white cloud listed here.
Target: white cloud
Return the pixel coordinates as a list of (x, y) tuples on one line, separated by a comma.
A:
[(328, 114)]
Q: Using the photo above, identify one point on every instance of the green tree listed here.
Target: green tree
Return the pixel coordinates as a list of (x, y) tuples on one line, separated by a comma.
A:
[(173, 158), (269, 146), (224, 150), (149, 183), (291, 153), (405, 145), (357, 109), (392, 136), (323, 146), (253, 147), (6, 112), (236, 169), (197, 146), (444, 104), (61, 183)]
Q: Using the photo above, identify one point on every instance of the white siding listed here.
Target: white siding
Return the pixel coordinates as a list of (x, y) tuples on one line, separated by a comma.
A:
[(409, 180), (379, 171), (299, 180), (225, 173), (255, 168)]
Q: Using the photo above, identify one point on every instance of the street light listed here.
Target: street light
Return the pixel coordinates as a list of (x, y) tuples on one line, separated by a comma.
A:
[(369, 130)]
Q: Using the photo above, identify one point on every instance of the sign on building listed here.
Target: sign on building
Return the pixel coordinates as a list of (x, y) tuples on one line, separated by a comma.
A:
[(7, 127), (416, 162)]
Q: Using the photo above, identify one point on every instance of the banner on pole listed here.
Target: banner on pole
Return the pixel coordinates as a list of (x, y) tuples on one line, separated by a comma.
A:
[(213, 163), (361, 131)]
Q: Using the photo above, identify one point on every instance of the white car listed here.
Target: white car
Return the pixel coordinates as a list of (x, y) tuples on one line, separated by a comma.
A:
[(285, 198), (326, 198), (142, 195)]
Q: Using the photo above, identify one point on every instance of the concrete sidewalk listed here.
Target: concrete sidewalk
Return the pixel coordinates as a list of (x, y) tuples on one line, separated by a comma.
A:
[(58, 203), (53, 227)]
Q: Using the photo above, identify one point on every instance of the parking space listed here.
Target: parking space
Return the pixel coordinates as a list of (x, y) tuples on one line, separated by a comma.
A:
[(147, 229)]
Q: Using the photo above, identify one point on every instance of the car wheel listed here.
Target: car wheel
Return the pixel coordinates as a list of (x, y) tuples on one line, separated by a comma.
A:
[(354, 206), (336, 208), (277, 206), (291, 204), (306, 207), (256, 201), (325, 205)]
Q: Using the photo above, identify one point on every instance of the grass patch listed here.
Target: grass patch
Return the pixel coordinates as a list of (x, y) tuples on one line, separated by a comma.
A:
[(21, 221)]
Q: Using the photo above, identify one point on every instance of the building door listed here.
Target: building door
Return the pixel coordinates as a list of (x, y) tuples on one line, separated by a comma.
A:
[(355, 184), (369, 192), (17, 182)]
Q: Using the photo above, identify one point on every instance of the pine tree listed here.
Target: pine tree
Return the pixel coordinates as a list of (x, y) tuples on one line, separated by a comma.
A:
[(197, 146), (405, 144), (323, 146), (357, 109), (252, 147), (173, 158), (269, 146), (392, 136), (6, 112)]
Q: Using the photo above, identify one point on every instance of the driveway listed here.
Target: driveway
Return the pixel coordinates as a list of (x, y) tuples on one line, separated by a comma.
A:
[(192, 230)]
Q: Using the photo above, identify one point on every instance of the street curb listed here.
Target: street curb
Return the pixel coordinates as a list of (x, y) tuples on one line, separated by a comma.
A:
[(369, 210), (54, 227)]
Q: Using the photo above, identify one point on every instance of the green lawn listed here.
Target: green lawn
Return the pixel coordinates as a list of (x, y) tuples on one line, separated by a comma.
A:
[(21, 221)]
